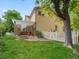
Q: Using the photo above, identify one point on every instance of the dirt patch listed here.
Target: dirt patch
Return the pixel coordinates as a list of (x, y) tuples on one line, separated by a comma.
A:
[(32, 38)]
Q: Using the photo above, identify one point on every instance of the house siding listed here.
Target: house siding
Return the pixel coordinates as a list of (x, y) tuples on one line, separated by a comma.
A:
[(47, 24), (33, 17)]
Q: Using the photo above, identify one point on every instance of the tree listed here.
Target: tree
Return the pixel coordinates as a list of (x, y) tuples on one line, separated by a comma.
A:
[(74, 21), (9, 16), (0, 19), (74, 14), (61, 8)]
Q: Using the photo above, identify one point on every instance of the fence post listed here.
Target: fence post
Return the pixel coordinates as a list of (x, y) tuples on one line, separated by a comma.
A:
[(56, 35), (73, 36), (77, 36), (50, 35)]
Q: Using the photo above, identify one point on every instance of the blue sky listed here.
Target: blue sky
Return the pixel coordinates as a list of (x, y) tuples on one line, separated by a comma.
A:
[(24, 7)]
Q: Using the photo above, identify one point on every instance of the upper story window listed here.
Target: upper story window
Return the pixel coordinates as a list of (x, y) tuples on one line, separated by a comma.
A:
[(14, 22), (41, 13)]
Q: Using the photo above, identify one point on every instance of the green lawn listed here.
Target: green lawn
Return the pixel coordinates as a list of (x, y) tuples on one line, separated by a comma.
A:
[(20, 49)]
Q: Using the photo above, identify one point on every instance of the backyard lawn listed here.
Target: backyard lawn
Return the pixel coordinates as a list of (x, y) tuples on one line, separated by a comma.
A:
[(21, 49)]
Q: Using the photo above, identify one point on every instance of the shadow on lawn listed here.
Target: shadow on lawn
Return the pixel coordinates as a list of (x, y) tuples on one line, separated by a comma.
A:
[(75, 54)]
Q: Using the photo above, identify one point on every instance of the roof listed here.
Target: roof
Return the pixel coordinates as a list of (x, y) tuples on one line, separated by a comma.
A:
[(27, 16), (34, 9)]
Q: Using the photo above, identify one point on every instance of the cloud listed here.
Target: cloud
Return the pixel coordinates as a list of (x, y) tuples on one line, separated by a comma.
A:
[(4, 10), (27, 12)]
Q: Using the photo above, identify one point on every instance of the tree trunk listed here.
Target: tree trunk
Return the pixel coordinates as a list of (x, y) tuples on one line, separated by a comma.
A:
[(63, 13), (68, 34)]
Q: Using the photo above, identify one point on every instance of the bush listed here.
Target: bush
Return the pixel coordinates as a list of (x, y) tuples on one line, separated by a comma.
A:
[(39, 34), (2, 29)]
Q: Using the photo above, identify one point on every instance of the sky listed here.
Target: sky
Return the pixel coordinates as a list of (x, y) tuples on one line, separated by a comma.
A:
[(23, 6)]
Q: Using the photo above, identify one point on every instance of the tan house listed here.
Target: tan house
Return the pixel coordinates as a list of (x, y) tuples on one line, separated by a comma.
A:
[(44, 23), (39, 22)]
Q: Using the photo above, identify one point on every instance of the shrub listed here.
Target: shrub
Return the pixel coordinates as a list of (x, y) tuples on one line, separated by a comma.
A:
[(2, 29), (39, 34)]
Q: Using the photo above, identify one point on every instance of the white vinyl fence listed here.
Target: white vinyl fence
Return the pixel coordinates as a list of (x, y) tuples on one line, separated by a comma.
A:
[(60, 36)]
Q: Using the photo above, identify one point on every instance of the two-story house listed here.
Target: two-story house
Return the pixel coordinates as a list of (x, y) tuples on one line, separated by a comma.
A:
[(40, 22), (44, 23)]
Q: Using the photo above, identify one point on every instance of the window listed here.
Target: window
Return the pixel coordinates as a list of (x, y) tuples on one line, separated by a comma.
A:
[(40, 13), (14, 22), (55, 28)]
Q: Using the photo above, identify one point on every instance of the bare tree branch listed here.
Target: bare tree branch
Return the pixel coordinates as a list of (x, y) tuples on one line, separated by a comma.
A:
[(57, 7)]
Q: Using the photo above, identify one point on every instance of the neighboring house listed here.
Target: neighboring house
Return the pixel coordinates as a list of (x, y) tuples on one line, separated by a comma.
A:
[(38, 21), (23, 27)]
